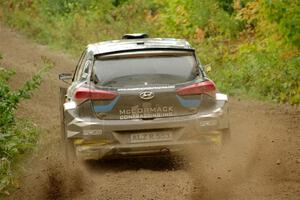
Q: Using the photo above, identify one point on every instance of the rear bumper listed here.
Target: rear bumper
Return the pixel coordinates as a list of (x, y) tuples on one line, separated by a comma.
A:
[(98, 151), (95, 139)]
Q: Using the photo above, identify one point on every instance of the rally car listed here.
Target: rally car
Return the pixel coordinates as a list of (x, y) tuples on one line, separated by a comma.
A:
[(140, 96)]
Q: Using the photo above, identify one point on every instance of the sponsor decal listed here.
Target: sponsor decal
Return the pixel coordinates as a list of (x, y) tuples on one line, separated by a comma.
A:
[(92, 132), (108, 107), (188, 103), (146, 111), (208, 123)]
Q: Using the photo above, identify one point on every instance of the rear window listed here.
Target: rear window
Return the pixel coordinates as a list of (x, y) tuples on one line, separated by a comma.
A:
[(145, 68)]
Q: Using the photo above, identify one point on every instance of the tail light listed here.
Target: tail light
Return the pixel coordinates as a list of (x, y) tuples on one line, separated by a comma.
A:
[(206, 87), (82, 94)]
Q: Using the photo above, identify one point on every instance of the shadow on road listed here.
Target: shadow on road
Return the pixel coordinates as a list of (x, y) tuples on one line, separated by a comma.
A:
[(165, 163)]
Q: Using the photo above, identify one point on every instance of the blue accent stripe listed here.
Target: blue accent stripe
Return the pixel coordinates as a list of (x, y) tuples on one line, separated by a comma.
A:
[(188, 103), (108, 107)]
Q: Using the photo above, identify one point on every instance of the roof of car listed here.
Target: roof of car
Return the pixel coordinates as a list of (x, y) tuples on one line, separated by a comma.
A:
[(138, 44)]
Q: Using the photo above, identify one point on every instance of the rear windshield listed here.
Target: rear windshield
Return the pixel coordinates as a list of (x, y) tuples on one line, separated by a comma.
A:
[(145, 69)]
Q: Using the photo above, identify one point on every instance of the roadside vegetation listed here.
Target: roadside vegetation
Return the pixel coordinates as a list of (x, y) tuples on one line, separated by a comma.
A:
[(17, 136), (250, 47)]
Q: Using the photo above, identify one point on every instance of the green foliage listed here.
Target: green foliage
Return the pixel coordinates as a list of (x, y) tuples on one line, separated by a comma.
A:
[(252, 45), (287, 15), (226, 5), (16, 135), (118, 2), (261, 73), (14, 142), (9, 98), (184, 18)]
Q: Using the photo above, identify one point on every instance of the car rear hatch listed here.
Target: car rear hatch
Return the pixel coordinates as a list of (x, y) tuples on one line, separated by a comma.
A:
[(148, 85)]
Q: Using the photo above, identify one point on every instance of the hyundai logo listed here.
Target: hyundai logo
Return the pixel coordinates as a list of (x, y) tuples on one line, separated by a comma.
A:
[(146, 95)]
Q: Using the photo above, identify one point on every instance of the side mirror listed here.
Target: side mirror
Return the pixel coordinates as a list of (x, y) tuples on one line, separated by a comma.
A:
[(65, 76)]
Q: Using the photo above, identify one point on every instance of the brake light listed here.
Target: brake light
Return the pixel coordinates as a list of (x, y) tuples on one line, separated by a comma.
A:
[(206, 87), (85, 93)]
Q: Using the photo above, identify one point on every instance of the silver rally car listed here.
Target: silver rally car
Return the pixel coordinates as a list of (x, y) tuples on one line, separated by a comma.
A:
[(140, 96)]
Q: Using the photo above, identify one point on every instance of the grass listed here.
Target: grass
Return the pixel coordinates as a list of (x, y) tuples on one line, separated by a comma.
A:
[(17, 136)]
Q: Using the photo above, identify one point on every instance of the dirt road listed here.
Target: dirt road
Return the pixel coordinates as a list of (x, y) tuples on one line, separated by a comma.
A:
[(261, 162)]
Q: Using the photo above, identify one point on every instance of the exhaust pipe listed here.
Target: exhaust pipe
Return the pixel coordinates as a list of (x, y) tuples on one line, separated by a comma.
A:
[(165, 151)]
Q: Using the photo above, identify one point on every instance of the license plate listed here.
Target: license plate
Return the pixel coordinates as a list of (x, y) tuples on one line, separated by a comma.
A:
[(150, 137)]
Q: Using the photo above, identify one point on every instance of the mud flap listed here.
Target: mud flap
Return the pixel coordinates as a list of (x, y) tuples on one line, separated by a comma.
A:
[(62, 97), (67, 145)]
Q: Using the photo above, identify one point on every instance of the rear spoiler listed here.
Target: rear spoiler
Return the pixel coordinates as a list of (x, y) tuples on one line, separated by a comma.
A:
[(147, 49)]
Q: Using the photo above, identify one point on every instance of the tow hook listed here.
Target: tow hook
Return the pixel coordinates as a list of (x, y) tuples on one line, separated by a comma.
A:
[(165, 151)]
